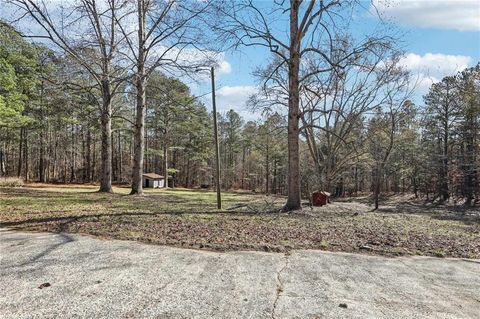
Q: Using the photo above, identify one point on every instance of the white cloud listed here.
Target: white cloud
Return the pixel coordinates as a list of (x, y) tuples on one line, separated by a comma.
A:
[(234, 97), (463, 15), (435, 64), (223, 66), (236, 91), (430, 67)]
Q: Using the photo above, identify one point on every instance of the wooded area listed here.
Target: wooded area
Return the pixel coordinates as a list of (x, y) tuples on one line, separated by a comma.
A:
[(94, 102)]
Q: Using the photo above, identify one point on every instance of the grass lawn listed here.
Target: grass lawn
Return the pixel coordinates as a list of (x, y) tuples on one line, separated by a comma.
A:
[(188, 218)]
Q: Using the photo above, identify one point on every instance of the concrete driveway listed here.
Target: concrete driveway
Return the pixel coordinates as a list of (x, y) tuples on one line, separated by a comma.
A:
[(94, 278)]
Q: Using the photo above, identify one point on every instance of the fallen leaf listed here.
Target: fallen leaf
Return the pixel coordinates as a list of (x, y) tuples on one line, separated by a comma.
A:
[(44, 285)]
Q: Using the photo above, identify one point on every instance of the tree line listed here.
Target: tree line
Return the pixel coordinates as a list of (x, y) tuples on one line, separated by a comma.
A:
[(101, 101)]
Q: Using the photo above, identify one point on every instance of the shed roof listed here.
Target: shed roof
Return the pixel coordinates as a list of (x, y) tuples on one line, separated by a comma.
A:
[(153, 176), (322, 192)]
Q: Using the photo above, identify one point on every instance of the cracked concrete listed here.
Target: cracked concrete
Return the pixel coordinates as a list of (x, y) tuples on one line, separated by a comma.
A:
[(279, 285), (94, 278)]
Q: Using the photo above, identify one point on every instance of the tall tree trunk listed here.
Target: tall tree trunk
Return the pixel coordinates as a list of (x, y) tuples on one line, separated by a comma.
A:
[(274, 183), (139, 141), (165, 162), (119, 157), (243, 167), (41, 163), (267, 171), (376, 192), (444, 191), (114, 159), (106, 151), (88, 156), (356, 181), (139, 134), (20, 152), (65, 166), (294, 197), (94, 160), (376, 186), (55, 158), (25, 154), (469, 165), (84, 155), (2, 160), (187, 178), (73, 176)]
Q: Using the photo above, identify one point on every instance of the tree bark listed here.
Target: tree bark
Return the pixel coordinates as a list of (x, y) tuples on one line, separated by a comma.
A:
[(274, 183), (84, 155), (55, 158), (267, 171), (20, 151), (119, 157), (106, 152), (94, 160), (2, 160), (376, 189), (88, 173), (294, 198), (25, 155), (139, 134), (73, 176), (41, 163), (165, 163), (444, 192), (444, 189)]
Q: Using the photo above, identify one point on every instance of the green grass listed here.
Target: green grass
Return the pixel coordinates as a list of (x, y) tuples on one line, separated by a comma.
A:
[(188, 218)]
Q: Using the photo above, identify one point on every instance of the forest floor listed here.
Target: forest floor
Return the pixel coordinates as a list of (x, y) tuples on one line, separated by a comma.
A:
[(188, 218)]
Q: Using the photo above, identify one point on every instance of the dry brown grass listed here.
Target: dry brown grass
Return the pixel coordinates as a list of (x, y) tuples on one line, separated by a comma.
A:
[(187, 218), (11, 182)]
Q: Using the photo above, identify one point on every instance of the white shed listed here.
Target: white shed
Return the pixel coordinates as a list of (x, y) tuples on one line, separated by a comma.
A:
[(152, 180)]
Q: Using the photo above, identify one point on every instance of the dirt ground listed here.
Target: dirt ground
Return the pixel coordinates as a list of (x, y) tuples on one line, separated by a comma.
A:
[(188, 218)]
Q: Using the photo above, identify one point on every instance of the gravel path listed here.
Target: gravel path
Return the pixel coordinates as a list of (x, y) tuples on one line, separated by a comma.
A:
[(94, 278)]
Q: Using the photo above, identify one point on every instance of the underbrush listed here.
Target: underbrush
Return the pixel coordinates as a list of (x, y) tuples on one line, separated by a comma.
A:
[(11, 182)]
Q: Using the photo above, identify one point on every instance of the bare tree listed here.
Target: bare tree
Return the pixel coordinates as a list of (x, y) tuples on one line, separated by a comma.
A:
[(169, 39), (312, 29), (89, 32), (334, 105), (383, 132)]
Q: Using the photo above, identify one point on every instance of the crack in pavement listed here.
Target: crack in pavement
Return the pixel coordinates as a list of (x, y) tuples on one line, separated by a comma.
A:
[(279, 284)]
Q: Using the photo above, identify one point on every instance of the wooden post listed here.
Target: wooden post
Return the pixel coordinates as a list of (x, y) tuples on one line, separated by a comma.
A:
[(215, 132)]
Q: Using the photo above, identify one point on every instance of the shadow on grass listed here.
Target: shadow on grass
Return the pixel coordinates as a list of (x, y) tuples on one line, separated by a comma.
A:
[(65, 220), (435, 211)]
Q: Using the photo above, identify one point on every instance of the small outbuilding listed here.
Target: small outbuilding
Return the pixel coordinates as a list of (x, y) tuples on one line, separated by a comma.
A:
[(320, 198), (152, 180)]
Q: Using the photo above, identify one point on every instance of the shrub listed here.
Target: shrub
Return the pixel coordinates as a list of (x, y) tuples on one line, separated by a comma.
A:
[(11, 182)]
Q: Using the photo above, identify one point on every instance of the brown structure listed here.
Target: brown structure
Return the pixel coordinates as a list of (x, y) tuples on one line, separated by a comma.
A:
[(320, 198)]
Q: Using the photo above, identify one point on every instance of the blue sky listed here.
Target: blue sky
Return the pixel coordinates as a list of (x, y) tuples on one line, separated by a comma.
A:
[(439, 38)]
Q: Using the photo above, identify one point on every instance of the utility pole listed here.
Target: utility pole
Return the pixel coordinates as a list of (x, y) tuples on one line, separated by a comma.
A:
[(215, 133)]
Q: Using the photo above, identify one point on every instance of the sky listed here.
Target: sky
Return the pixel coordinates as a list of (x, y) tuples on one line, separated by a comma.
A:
[(439, 37)]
